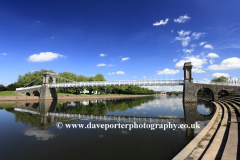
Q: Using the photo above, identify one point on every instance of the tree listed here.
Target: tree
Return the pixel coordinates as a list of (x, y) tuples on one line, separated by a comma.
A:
[(2, 88), (32, 78), (13, 86), (220, 79)]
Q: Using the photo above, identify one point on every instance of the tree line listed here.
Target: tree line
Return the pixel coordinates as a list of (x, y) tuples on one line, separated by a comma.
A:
[(36, 78)]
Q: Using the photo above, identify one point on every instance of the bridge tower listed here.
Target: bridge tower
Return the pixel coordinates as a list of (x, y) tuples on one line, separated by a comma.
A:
[(188, 88), (46, 92)]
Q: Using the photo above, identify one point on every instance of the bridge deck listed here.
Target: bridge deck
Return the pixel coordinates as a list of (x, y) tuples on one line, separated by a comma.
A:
[(119, 83)]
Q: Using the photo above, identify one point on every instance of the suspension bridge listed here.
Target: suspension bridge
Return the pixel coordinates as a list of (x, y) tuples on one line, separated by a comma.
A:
[(51, 81)]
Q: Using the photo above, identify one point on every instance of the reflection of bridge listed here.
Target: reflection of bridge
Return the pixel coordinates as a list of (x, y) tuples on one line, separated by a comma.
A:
[(48, 91), (43, 111), (47, 109)]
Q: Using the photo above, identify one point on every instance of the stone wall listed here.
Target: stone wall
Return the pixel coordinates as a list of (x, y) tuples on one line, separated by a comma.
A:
[(190, 90), (30, 91)]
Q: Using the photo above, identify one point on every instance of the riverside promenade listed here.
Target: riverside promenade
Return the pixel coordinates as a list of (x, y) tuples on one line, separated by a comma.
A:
[(219, 139)]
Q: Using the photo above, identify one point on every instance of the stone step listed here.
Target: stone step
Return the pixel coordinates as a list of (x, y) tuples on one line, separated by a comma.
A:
[(212, 151), (203, 144), (230, 150)]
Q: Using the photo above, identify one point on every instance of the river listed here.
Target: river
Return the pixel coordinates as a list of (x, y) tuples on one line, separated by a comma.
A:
[(29, 130)]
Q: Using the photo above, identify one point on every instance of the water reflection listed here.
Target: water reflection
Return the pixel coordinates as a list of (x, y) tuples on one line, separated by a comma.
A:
[(40, 125), (37, 114), (39, 134)]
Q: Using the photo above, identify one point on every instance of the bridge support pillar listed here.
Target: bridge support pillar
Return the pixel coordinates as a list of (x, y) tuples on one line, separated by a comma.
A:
[(188, 88), (46, 92)]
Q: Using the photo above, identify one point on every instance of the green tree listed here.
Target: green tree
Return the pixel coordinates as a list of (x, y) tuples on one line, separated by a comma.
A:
[(220, 79)]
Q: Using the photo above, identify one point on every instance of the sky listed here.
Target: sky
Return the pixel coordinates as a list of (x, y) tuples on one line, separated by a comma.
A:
[(121, 39)]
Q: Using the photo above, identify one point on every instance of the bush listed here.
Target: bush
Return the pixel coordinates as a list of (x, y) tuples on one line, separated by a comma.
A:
[(3, 88)]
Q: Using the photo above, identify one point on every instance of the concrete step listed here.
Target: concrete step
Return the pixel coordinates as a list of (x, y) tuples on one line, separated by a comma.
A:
[(203, 144), (230, 150), (212, 151)]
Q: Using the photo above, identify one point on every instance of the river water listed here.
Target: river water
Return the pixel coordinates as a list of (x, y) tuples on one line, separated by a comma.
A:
[(29, 129)]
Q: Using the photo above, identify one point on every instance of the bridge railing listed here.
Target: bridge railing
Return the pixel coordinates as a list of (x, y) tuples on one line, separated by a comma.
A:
[(119, 83), (23, 88), (222, 83), (158, 120)]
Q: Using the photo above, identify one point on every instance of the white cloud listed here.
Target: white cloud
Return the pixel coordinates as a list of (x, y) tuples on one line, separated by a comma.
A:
[(198, 70), (227, 64), (211, 61), (102, 55), (202, 43), (217, 75), (182, 19), (212, 55), (196, 61), (178, 50), (185, 40), (196, 35), (188, 50), (100, 65), (144, 77), (111, 73), (4, 54), (161, 22), (202, 54), (39, 134), (120, 72), (193, 45), (208, 28), (208, 46), (110, 65), (134, 77), (172, 30), (205, 80), (126, 58), (231, 46), (175, 60), (168, 71), (44, 56), (183, 33)]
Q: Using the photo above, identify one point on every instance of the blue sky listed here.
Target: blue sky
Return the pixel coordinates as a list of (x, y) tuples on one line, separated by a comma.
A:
[(123, 40)]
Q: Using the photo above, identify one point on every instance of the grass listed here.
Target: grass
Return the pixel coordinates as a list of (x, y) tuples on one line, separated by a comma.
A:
[(70, 94), (8, 93), (7, 105)]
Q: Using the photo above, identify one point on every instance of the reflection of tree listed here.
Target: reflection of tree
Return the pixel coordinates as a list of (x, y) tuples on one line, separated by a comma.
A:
[(43, 121), (34, 120), (26, 118), (92, 108), (100, 108)]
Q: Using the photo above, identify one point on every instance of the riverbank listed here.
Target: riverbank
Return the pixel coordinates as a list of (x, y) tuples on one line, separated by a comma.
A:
[(85, 97)]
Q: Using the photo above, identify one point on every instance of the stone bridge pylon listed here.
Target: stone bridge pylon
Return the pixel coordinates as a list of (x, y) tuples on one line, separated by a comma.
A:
[(46, 92)]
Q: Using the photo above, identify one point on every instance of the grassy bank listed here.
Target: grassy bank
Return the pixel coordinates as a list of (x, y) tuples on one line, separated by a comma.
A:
[(8, 93), (7, 105)]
